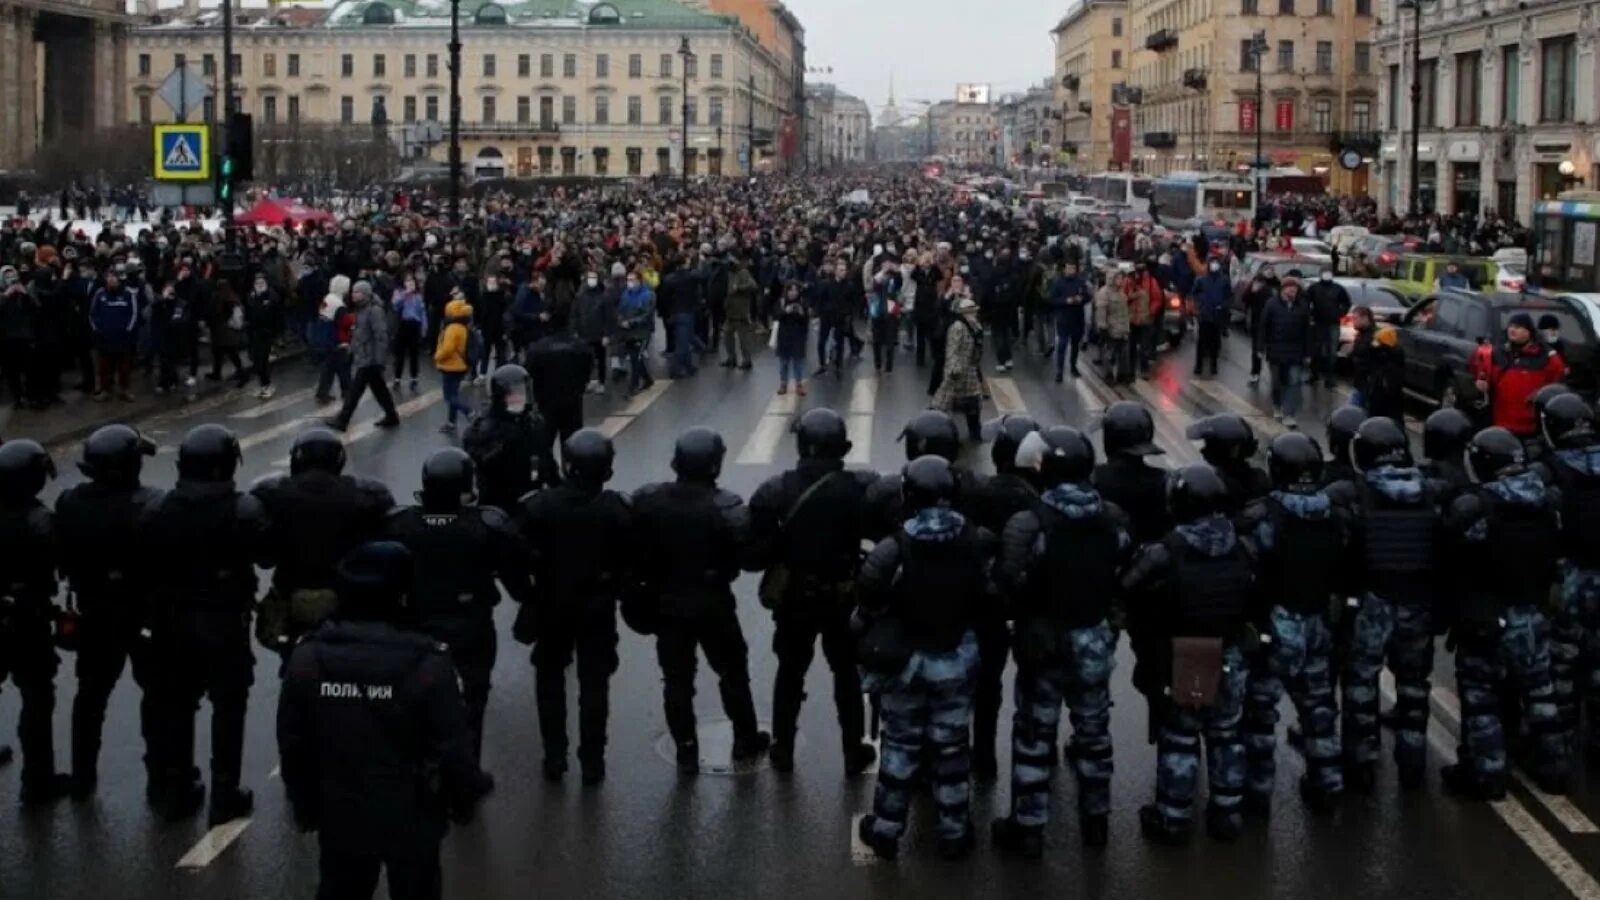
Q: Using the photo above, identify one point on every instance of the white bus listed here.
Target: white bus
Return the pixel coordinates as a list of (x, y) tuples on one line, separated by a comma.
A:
[(1120, 188), (1187, 200)]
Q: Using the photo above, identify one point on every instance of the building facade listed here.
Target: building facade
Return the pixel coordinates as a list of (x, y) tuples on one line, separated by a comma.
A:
[(1091, 56), (1029, 126), (965, 132), (1195, 75), (548, 87), (840, 128), (1509, 111), (61, 73)]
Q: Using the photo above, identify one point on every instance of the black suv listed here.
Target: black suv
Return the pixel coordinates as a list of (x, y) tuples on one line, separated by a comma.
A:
[(1441, 333)]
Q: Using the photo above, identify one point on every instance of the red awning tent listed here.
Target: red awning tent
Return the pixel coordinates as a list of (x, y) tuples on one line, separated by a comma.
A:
[(274, 211)]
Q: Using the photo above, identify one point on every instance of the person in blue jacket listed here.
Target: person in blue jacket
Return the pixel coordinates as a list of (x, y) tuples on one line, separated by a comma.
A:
[(114, 321), (1211, 294)]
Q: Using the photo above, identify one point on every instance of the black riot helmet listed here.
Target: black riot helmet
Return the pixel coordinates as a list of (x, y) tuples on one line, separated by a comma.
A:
[(1380, 441), (447, 479), (209, 453), (1295, 463), (1568, 423), (1007, 433), (1445, 434), (1056, 455), (1342, 427), (587, 456), (24, 469), (698, 455), (317, 450), (932, 433), (374, 581), (510, 390), (1224, 438), (1195, 492), (1128, 429), (1491, 453), (114, 454), (1542, 397), (927, 481), (821, 434)]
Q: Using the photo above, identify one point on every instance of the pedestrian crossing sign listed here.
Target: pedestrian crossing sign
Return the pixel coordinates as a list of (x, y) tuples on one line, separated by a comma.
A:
[(183, 152)]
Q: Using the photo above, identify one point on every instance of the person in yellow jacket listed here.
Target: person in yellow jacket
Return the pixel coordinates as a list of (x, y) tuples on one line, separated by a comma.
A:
[(450, 356)]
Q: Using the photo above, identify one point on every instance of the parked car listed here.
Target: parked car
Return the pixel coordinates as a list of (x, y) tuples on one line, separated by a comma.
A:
[(1311, 248), (1418, 273), (1284, 264), (1377, 255), (1442, 330), (1386, 304), (1342, 237)]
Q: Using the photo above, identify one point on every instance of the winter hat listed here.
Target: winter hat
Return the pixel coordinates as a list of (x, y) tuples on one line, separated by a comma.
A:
[(8, 274), (1548, 322), (618, 270), (361, 289), (340, 285), (1520, 320)]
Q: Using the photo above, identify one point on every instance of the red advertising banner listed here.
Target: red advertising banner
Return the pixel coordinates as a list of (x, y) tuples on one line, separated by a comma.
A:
[(1247, 115), (1121, 135), (1285, 115)]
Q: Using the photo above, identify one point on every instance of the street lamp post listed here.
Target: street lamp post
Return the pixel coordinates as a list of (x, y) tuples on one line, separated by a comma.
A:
[(687, 54), (1258, 44), (1414, 195), (455, 113)]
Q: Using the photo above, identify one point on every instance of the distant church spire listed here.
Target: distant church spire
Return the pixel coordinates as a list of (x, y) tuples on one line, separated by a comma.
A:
[(891, 113)]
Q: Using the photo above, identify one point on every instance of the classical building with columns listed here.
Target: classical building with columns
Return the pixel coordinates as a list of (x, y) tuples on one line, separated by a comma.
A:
[(1508, 110), (60, 73)]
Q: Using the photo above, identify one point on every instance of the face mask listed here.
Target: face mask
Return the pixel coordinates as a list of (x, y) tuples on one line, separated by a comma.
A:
[(1551, 337), (632, 284), (1215, 267), (490, 284), (592, 281), (516, 403), (1326, 276)]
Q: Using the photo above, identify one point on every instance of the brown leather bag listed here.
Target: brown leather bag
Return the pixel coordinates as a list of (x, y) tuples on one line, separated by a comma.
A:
[(1196, 671)]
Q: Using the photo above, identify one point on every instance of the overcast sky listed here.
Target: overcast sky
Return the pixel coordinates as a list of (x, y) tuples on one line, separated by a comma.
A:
[(930, 45)]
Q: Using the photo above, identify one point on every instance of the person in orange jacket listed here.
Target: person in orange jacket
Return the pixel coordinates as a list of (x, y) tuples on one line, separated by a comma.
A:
[(450, 356)]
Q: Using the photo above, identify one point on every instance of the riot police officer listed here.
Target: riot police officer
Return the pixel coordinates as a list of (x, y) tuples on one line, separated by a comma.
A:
[(1445, 435), (806, 528), (1296, 539), (511, 445), (929, 433), (1505, 536), (1228, 443), (558, 365), (98, 521), (317, 515), (28, 612), (577, 534), (1191, 590), (920, 593), (692, 537), (1537, 446), (1572, 465), (373, 736), (1140, 490), (1342, 426), (1058, 565), (1393, 511), (459, 550), (204, 539)]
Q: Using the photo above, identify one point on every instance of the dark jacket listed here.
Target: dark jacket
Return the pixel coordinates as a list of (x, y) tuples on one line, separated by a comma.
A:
[(1329, 303), (1284, 333)]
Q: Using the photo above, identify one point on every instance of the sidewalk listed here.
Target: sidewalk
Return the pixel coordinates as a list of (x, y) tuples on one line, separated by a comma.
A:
[(79, 415)]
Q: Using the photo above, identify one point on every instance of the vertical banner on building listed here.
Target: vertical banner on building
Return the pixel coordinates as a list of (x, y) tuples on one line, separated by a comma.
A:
[(1247, 115), (1285, 115), (1121, 135)]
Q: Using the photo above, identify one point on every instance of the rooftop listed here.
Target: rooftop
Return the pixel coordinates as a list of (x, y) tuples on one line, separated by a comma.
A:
[(663, 14)]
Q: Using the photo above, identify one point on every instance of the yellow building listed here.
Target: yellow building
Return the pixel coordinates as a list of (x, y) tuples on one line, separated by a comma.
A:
[(1091, 55), (548, 87), (1194, 75)]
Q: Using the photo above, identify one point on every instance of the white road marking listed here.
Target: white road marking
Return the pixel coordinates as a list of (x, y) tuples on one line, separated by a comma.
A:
[(1087, 398), (276, 772), (1007, 399), (642, 400), (213, 844), (864, 395), (611, 426), (860, 425), (1266, 426), (409, 408), (762, 446), (269, 407)]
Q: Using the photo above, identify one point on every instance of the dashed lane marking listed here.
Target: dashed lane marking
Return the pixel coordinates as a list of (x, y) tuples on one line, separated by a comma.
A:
[(1264, 424), (863, 407), (355, 433), (268, 407), (1007, 399), (645, 398), (213, 844)]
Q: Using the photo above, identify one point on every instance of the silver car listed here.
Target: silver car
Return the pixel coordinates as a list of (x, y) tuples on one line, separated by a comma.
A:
[(1375, 294)]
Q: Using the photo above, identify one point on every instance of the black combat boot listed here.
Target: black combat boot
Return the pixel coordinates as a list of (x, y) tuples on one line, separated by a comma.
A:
[(1316, 799), (885, 848), (555, 768), (1161, 829), (1256, 805), (1096, 831), (594, 771), (1016, 840), (45, 789), (857, 759), (230, 803), (689, 758), (178, 799), (955, 849), (751, 746), (1460, 781), (1360, 778), (1222, 825)]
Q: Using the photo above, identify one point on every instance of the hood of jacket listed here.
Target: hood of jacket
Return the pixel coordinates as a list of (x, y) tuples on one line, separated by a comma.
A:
[(1519, 488), (1212, 536), (339, 285), (458, 309), (937, 525), (1075, 501)]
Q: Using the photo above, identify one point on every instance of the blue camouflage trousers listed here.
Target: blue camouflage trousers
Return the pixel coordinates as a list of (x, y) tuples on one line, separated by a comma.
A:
[(928, 703), (1575, 650), (1296, 658), (1082, 678), (1400, 634), (1514, 657), (1178, 749)]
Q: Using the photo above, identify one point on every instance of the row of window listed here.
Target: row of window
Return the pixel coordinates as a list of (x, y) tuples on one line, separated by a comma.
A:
[(488, 110), (487, 61), (546, 161), (1556, 85), (1287, 7), (1324, 62), (1189, 117)]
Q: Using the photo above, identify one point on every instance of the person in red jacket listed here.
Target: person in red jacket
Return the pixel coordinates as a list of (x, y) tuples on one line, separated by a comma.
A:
[(1511, 372)]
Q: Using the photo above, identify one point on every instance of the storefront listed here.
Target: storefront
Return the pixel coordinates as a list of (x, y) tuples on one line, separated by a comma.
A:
[(1428, 186), (1465, 191)]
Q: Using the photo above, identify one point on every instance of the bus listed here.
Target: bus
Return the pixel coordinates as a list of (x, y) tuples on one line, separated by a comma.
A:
[(1120, 188), (1564, 255), (1186, 200)]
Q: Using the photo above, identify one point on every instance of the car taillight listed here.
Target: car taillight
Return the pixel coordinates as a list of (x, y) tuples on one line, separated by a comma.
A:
[(1514, 286), (1386, 257)]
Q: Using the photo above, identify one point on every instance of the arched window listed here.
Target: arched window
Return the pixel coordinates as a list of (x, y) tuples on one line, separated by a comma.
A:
[(377, 14), (490, 14), (604, 14)]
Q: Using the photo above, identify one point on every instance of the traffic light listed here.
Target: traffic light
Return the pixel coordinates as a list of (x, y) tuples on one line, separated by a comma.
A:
[(240, 146), (226, 176)]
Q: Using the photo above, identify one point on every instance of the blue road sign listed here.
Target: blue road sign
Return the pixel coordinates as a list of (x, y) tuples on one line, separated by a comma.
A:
[(183, 152)]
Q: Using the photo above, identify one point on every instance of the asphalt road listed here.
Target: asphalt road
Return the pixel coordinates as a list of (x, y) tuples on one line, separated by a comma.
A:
[(644, 833)]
